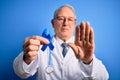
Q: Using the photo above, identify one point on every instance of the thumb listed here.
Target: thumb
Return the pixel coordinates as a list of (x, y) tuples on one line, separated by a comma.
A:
[(74, 47), (77, 50)]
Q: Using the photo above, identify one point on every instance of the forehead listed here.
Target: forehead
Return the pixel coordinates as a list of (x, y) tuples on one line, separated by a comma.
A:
[(66, 11)]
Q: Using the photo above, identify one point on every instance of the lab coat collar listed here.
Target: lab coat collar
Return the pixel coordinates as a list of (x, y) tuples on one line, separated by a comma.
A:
[(71, 39), (57, 41)]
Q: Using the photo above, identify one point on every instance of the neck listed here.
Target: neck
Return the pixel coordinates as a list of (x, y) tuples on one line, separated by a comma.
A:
[(64, 39)]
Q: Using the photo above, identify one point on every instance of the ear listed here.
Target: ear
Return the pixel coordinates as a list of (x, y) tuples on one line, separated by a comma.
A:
[(52, 22)]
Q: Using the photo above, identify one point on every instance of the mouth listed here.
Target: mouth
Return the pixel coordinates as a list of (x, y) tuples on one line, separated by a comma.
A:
[(65, 29)]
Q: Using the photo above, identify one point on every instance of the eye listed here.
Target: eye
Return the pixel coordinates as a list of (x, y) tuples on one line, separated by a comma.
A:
[(71, 19), (60, 18)]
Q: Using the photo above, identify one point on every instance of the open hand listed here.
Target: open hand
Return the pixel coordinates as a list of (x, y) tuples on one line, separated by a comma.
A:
[(84, 42)]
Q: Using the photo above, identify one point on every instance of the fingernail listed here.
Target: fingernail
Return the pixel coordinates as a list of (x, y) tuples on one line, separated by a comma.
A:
[(48, 41)]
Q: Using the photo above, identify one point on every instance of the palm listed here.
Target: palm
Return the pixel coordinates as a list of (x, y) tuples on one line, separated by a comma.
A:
[(84, 42), (87, 49)]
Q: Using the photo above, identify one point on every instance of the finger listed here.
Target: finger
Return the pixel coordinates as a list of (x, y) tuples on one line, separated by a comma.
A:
[(31, 55), (25, 44), (31, 48), (26, 39), (77, 33), (74, 47), (87, 31), (41, 39), (82, 31), (31, 42), (77, 50), (35, 40), (91, 34)]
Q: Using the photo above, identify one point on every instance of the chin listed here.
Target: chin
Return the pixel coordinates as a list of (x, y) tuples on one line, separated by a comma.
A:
[(66, 35)]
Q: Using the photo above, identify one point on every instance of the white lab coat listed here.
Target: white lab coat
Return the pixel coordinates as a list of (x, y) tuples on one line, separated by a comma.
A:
[(68, 68)]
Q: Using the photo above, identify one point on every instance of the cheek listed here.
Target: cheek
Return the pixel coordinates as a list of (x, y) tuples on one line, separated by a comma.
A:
[(72, 29), (57, 27)]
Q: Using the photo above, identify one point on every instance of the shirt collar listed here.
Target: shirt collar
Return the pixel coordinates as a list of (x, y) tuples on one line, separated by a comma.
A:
[(71, 39)]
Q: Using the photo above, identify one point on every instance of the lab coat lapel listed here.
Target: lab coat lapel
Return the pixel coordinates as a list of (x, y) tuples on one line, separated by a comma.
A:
[(58, 52), (69, 54), (57, 49)]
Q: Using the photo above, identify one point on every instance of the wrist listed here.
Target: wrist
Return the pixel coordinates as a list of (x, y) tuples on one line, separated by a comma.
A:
[(88, 61), (26, 60)]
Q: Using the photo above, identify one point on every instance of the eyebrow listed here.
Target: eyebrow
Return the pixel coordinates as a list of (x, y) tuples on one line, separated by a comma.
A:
[(64, 16)]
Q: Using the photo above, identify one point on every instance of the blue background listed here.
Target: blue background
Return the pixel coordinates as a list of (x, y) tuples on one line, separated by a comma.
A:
[(22, 18)]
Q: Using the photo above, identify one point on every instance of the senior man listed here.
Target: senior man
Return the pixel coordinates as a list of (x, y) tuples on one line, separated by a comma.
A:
[(72, 57)]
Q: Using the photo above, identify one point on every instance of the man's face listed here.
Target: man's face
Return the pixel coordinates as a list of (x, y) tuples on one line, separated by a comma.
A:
[(64, 23)]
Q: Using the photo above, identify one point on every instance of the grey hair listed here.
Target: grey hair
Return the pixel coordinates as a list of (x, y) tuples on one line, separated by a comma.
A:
[(66, 5)]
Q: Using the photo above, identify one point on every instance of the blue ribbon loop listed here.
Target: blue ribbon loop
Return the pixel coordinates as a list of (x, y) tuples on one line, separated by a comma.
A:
[(46, 34)]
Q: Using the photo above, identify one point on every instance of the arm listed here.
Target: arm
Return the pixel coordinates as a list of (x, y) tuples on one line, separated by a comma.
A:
[(84, 50), (95, 70), (22, 69)]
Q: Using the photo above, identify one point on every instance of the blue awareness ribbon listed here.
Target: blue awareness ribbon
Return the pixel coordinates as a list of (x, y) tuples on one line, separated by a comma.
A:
[(46, 34)]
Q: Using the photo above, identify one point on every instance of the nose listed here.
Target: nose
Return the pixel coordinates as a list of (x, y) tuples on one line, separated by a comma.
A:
[(65, 22)]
